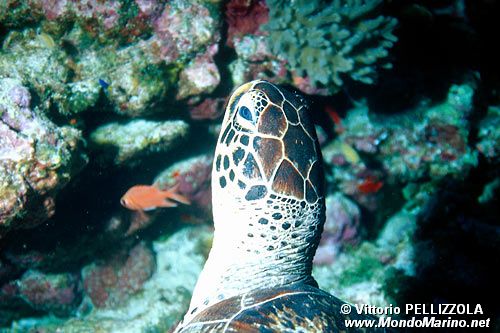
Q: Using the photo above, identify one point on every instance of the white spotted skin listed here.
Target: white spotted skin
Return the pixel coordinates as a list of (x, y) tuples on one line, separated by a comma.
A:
[(253, 247)]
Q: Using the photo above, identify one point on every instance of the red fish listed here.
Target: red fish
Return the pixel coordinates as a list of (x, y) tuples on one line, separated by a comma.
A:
[(335, 118), (148, 197), (370, 185)]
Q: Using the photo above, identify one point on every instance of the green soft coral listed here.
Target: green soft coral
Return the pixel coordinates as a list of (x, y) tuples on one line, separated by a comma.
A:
[(328, 41)]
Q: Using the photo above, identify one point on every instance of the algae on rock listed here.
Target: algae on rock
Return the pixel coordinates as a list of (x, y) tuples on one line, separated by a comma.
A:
[(37, 158), (129, 52), (137, 138), (33, 58)]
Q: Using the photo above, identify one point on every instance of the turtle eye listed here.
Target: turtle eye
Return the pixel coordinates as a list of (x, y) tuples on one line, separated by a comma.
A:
[(245, 113)]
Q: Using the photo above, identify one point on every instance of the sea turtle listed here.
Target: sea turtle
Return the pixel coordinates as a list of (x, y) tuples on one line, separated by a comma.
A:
[(269, 208)]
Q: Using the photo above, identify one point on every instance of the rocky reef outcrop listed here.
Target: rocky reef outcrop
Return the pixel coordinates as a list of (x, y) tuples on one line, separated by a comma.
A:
[(37, 158), (99, 96)]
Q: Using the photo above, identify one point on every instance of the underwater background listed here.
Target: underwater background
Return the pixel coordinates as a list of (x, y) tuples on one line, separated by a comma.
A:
[(99, 96)]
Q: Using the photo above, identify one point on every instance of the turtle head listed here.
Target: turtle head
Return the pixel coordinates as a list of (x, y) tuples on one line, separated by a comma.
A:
[(267, 179), (268, 144), (267, 196)]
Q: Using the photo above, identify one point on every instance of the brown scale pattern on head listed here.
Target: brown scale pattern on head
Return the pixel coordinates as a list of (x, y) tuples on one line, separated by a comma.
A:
[(271, 140)]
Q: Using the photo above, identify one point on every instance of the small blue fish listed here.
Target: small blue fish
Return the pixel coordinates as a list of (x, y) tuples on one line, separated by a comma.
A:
[(103, 84)]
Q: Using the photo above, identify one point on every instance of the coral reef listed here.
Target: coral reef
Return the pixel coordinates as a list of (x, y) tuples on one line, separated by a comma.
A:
[(411, 162), (189, 178), (372, 159), (37, 158), (341, 228), (373, 272), (435, 146), (489, 134), (126, 143), (209, 108), (121, 20), (57, 294), (426, 144), (186, 27), (35, 60), (72, 57), (132, 79), (192, 176), (313, 45), (54, 293), (200, 76), (163, 298), (111, 283), (244, 17), (356, 276), (327, 43), (256, 61)]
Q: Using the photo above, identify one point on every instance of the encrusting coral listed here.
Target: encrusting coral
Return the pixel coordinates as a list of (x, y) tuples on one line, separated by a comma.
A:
[(137, 138), (129, 52), (328, 42), (37, 159)]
